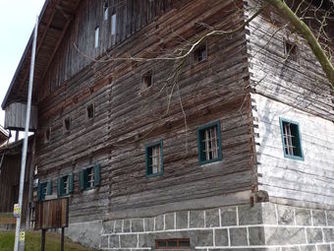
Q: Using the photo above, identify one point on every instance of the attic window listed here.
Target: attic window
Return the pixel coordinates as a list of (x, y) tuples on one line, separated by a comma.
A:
[(97, 32), (67, 123), (201, 53), (47, 135), (105, 10), (290, 50), (90, 111), (113, 28), (148, 79)]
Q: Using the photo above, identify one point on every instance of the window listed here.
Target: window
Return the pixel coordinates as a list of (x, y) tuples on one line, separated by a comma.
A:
[(200, 54), (90, 111), (291, 139), (154, 159), (209, 143), (44, 189), (97, 34), (105, 10), (148, 79), (47, 135), (67, 123), (174, 244), (90, 177), (113, 28), (65, 185), (290, 50)]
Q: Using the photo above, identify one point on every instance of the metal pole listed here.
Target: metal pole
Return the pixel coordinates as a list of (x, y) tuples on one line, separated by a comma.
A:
[(25, 142), (62, 239)]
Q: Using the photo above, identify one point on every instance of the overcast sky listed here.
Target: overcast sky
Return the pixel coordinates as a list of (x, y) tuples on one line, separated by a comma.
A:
[(17, 20)]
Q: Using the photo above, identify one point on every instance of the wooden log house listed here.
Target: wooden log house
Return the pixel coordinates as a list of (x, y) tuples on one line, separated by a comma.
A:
[(229, 146)]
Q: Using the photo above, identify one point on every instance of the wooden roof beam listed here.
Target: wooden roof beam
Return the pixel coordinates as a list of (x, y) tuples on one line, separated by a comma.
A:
[(56, 47)]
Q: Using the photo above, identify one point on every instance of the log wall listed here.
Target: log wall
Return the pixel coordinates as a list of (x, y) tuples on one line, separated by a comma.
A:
[(128, 116)]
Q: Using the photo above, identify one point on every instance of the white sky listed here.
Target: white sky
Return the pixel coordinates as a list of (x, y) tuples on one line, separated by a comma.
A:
[(17, 20)]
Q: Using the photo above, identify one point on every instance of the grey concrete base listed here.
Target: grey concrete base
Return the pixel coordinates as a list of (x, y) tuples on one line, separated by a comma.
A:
[(88, 233), (265, 226)]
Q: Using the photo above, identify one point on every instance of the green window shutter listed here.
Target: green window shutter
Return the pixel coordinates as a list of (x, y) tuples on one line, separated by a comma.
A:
[(59, 187), (82, 180), (49, 188), (71, 186), (97, 175), (39, 192)]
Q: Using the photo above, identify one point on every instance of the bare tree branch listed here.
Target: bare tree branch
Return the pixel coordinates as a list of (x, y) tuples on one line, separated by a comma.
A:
[(305, 31)]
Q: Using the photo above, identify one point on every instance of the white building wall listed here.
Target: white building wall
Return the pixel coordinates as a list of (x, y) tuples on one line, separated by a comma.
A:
[(308, 180)]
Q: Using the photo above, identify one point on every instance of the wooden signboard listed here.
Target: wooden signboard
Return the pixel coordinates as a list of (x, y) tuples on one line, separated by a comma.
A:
[(52, 214)]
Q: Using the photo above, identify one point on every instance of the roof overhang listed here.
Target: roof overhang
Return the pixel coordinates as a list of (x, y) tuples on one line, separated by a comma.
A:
[(54, 20)]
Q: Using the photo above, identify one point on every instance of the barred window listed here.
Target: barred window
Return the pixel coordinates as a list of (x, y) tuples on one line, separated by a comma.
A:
[(65, 185), (291, 139), (209, 143), (90, 177), (154, 159)]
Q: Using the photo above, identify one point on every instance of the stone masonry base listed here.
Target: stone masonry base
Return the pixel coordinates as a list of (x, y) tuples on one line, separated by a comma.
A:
[(265, 226)]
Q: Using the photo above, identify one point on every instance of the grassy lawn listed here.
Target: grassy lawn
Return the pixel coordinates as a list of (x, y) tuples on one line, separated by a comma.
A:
[(33, 242)]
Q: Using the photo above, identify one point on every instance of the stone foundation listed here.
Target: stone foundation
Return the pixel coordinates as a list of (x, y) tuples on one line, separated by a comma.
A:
[(86, 233), (265, 226)]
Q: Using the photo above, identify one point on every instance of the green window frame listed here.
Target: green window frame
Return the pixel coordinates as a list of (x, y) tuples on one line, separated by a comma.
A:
[(154, 159), (65, 185), (43, 189), (90, 177), (291, 139), (209, 143)]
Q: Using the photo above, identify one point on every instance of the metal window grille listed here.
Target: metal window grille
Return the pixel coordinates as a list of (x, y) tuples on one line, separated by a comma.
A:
[(288, 139), (156, 159), (90, 178), (44, 190), (66, 185), (210, 141)]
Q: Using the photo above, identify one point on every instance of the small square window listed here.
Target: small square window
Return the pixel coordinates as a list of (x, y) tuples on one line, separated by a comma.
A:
[(65, 185), (90, 177), (67, 124), (97, 36), (290, 50), (90, 111), (154, 159), (209, 143), (148, 79), (174, 244), (291, 139), (106, 10), (201, 53)]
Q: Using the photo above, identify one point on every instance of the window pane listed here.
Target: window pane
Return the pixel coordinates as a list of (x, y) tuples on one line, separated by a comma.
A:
[(97, 31), (154, 159), (209, 143), (291, 139)]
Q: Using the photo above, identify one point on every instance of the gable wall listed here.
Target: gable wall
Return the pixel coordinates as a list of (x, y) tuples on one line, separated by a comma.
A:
[(297, 91)]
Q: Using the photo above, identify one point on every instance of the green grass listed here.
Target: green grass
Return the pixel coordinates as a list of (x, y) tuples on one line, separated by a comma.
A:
[(33, 242)]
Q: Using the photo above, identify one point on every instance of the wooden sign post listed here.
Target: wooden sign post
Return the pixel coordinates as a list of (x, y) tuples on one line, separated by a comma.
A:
[(52, 214)]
